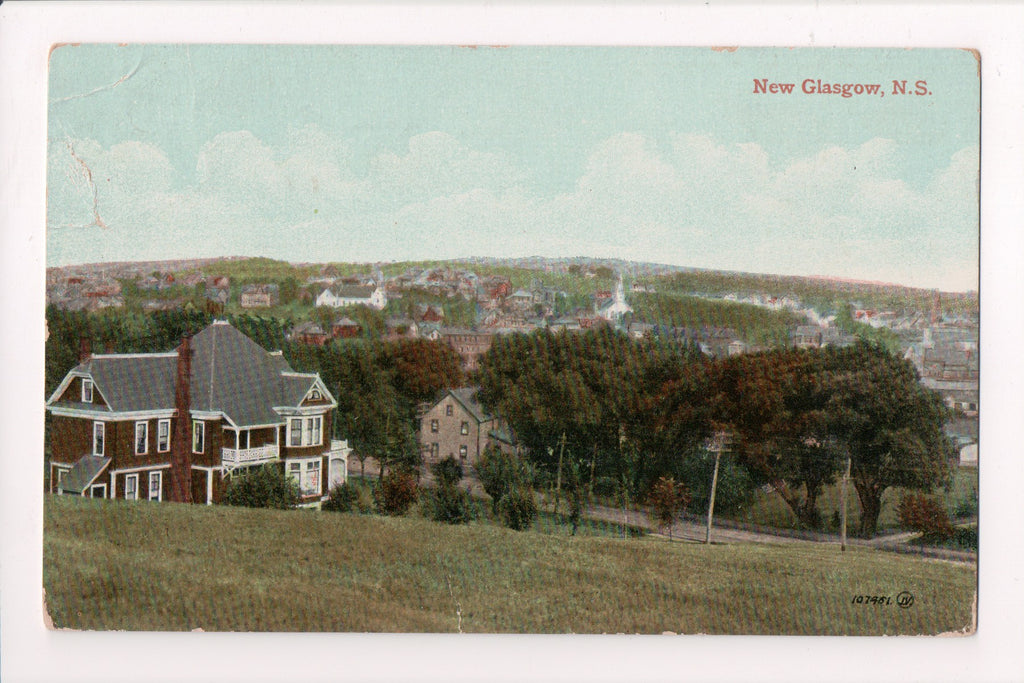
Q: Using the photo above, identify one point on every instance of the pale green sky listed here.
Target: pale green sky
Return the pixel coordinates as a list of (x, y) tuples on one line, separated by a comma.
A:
[(386, 153)]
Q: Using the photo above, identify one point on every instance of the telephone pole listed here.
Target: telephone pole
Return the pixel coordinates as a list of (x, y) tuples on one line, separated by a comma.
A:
[(842, 496), (717, 445)]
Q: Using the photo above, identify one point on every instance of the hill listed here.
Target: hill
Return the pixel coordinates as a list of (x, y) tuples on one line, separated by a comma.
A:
[(143, 566)]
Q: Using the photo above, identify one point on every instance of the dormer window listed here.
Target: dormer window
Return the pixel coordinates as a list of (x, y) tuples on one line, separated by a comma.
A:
[(86, 391)]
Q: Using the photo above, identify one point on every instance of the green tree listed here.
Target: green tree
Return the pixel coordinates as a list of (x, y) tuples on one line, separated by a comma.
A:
[(518, 508), (342, 498), (500, 472), (262, 487), (890, 425)]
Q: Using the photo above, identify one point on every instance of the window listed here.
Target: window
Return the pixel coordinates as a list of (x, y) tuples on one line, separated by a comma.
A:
[(97, 438), (131, 487), (60, 476), (307, 476), (448, 410), (86, 391), (463, 452), (315, 395), (141, 437), (435, 449), (163, 436), (311, 485), (306, 432), (198, 436), (433, 426), (465, 428), (155, 481)]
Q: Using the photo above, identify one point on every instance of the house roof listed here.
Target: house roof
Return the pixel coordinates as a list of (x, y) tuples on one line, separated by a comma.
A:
[(467, 397), (230, 374), (352, 291), (84, 473)]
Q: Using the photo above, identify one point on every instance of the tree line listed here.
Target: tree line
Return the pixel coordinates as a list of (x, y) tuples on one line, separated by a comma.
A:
[(628, 413)]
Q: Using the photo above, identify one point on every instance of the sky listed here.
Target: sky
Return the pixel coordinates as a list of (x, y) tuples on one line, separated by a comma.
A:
[(667, 155)]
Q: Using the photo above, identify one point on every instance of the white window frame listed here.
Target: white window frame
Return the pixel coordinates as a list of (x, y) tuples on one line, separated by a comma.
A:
[(159, 486), (463, 452), (61, 472), (99, 434), (92, 490), (134, 479), (145, 439), (434, 426), (198, 436), (87, 389), (464, 429), (307, 431), (304, 472), (163, 444)]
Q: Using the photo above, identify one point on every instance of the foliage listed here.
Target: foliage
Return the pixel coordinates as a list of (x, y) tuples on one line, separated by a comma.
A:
[(422, 368), (396, 492), (734, 489), (925, 515), (343, 497), (667, 499), (262, 487), (582, 395), (500, 472), (517, 508), (450, 504), (447, 472)]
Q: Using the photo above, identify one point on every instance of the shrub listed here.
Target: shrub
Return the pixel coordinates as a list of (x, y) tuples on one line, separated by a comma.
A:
[(925, 515), (343, 498), (450, 505), (447, 472), (263, 487), (667, 499), (396, 492), (517, 508), (500, 472)]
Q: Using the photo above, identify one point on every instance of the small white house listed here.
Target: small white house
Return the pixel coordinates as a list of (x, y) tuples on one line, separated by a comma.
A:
[(337, 296)]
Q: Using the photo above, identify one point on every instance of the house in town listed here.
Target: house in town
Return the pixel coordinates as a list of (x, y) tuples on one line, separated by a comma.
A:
[(259, 296), (177, 425), (457, 425), (309, 332), (345, 328), (469, 344), (337, 296)]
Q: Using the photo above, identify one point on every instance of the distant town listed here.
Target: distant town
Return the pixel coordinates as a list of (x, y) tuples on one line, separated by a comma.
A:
[(466, 304)]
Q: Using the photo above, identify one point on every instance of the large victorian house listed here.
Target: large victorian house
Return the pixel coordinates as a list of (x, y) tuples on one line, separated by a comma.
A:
[(178, 425)]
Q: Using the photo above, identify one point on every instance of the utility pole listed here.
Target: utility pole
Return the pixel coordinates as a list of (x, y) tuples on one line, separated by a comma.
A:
[(558, 478), (842, 496), (716, 444)]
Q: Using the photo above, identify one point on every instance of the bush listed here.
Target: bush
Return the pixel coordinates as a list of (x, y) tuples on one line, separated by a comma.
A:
[(396, 492), (450, 505), (447, 472), (517, 508), (667, 499), (500, 472), (343, 498), (920, 513), (263, 487)]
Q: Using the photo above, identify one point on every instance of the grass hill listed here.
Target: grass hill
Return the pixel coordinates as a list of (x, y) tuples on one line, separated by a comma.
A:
[(148, 566)]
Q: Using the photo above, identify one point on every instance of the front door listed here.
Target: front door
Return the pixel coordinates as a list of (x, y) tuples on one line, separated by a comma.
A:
[(336, 471)]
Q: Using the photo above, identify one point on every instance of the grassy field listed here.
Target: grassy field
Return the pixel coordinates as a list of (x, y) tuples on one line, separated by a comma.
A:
[(150, 566), (770, 510)]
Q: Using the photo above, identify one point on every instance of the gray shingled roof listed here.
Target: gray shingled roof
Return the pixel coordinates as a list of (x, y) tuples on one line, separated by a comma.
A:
[(467, 397), (230, 374), (83, 473)]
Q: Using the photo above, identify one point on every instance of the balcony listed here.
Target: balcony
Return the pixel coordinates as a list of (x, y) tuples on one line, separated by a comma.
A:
[(237, 457)]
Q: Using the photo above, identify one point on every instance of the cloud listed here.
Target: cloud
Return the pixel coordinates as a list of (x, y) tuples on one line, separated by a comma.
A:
[(687, 199)]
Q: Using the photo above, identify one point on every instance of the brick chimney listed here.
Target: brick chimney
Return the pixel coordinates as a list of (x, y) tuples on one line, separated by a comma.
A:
[(84, 349), (181, 440)]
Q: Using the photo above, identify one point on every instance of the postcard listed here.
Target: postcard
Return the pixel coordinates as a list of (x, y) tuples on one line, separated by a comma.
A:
[(512, 339), (566, 356)]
